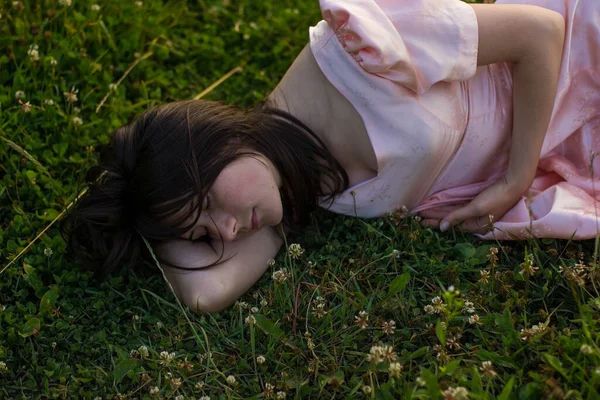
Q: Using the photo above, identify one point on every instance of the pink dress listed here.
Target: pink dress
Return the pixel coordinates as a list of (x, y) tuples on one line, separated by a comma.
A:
[(441, 127)]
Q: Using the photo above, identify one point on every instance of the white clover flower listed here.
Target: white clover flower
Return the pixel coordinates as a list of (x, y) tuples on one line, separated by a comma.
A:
[(395, 253), (281, 276), (271, 262), (179, 397), (242, 305), (395, 370), (260, 359), (76, 110), (205, 398), (457, 393), (264, 303), (139, 3), (53, 62), (64, 3), (295, 250), (143, 350), (77, 122), (231, 380), (95, 7), (362, 319), (49, 102), (71, 97), (19, 94), (154, 390), (469, 307), (3, 366), (473, 319), (586, 349), (367, 389), (250, 320), (281, 395), (25, 107), (3, 307), (33, 53), (254, 310), (47, 251)]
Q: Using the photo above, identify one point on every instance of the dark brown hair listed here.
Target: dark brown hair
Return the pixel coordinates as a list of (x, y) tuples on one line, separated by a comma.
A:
[(171, 154)]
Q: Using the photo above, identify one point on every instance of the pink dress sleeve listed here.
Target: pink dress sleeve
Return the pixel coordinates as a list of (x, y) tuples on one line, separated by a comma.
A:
[(415, 43)]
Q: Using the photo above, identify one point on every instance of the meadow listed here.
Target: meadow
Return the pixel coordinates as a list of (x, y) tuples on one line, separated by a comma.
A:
[(382, 309)]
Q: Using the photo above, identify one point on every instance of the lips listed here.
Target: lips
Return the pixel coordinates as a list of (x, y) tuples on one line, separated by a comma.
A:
[(254, 220)]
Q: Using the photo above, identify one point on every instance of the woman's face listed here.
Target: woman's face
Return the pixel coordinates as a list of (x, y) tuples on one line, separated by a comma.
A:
[(246, 189)]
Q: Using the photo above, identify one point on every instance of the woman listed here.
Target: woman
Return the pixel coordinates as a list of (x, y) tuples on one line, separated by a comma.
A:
[(385, 107)]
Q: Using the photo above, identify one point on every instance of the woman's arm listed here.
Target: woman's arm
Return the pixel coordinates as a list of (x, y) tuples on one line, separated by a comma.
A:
[(214, 288), (531, 37)]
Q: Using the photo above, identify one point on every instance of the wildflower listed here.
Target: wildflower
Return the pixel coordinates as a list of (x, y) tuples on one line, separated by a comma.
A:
[(453, 341), (528, 333), (231, 380), (159, 324), (318, 307), (175, 382), (254, 310), (139, 3), (362, 319), (429, 309), (268, 391), (395, 253), (18, 5), (367, 390), (487, 369), (250, 320), (575, 274), (199, 385), (25, 107), (420, 381), (95, 7), (47, 251), (586, 349), (143, 350), (166, 357), (468, 307), (205, 398), (154, 390), (379, 354), (485, 276), (271, 262), (134, 354), (281, 395), (53, 344), (53, 62), (33, 53), (135, 317), (437, 304), (49, 102), (3, 366), (112, 87), (395, 370), (295, 251), (388, 327), (260, 359), (19, 94), (281, 276), (64, 3), (493, 257), (263, 303), (451, 288), (179, 397), (473, 319), (185, 364), (458, 393), (418, 218), (71, 97), (242, 305), (527, 267)]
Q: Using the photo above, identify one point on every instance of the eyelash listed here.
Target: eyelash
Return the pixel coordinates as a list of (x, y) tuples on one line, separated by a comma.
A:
[(204, 238)]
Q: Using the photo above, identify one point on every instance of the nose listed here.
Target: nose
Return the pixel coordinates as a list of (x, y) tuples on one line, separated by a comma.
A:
[(227, 225)]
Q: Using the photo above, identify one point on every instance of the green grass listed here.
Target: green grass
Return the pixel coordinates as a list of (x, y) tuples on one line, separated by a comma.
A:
[(63, 336)]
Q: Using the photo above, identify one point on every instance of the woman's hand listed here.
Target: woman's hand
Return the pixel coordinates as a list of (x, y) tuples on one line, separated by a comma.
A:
[(496, 201)]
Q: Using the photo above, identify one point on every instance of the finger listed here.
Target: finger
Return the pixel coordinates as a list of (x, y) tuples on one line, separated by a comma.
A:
[(461, 215), (474, 225), (430, 223)]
